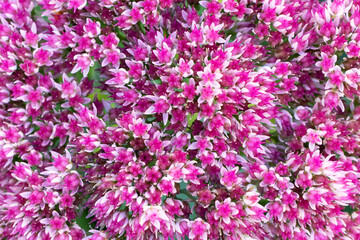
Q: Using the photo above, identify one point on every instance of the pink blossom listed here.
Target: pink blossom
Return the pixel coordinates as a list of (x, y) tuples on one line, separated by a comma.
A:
[(313, 137), (225, 210), (84, 62), (198, 229), (92, 28), (153, 215), (76, 4), (336, 78), (229, 178), (42, 57)]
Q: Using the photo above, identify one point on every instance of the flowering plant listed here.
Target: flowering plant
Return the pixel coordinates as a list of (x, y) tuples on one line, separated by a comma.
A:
[(170, 119)]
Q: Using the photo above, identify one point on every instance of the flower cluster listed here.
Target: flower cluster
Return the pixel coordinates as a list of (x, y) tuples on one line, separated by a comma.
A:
[(171, 119)]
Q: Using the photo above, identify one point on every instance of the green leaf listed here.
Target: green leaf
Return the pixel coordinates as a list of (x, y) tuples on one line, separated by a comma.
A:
[(142, 28), (100, 95), (152, 163), (120, 34), (183, 185), (121, 45), (349, 209), (176, 57), (93, 74), (201, 10), (150, 119), (123, 206), (37, 11), (158, 81), (56, 143), (263, 202), (78, 76), (340, 57), (187, 194), (169, 131), (191, 119), (182, 196), (178, 90), (96, 149), (193, 216), (84, 222)]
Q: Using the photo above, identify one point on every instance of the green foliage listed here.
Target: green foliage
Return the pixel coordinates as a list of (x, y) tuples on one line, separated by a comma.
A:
[(101, 95), (349, 209), (84, 222), (93, 74), (191, 119)]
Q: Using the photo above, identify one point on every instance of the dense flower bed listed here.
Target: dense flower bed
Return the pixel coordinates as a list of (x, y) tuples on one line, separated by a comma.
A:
[(169, 119)]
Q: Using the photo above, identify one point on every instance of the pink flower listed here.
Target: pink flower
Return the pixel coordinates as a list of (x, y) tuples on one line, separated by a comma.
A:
[(72, 182), (185, 67), (11, 134), (42, 57), (352, 50), (68, 87), (196, 35), (253, 144), (29, 67), (84, 62), (66, 200), (314, 196), (109, 41), (199, 229), (269, 178), (207, 93), (212, 35), (31, 37), (167, 186), (113, 57), (281, 69), (314, 161), (57, 223), (92, 28), (120, 77), (89, 142), (153, 216), (300, 42), (229, 177), (8, 66), (189, 90), (165, 54), (313, 137), (332, 100), (60, 162), (336, 78), (76, 4), (160, 106), (209, 78), (34, 96), (327, 63), (352, 77), (275, 209), (225, 210), (201, 144), (155, 144), (140, 129)]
